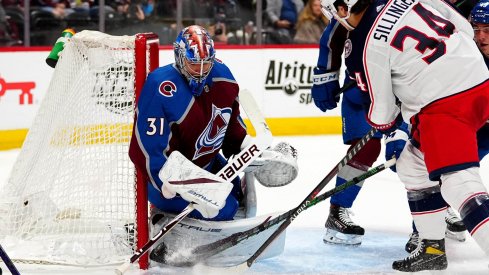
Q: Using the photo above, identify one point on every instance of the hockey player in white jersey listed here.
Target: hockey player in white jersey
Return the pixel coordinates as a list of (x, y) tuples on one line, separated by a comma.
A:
[(419, 63)]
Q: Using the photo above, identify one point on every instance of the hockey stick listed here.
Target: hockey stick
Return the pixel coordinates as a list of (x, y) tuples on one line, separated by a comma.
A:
[(8, 262), (296, 211), (231, 170), (205, 251), (140, 252)]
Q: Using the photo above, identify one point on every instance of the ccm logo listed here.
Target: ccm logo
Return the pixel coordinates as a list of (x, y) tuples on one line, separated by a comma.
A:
[(24, 87), (238, 163)]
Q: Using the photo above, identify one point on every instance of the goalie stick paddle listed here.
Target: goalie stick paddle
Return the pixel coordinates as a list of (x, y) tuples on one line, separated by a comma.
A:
[(231, 170), (205, 251), (8, 262)]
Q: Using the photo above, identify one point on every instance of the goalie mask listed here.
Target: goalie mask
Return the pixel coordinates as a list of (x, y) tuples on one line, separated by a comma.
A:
[(329, 10), (194, 56)]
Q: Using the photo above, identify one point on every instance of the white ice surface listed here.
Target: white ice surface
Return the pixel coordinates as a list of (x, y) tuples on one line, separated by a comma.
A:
[(381, 208)]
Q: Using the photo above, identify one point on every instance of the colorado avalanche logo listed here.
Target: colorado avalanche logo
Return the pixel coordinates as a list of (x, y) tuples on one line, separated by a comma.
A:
[(213, 135), (167, 88), (348, 47)]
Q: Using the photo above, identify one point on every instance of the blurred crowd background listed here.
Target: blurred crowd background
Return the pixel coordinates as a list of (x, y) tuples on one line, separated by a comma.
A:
[(40, 22), (236, 22)]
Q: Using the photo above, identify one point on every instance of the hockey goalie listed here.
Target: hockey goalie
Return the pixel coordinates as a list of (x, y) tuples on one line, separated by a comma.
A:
[(187, 114)]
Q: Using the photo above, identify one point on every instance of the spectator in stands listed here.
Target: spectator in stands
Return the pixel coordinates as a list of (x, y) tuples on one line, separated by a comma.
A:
[(130, 10), (218, 32), (311, 23), (4, 34), (147, 7), (281, 16), (59, 8)]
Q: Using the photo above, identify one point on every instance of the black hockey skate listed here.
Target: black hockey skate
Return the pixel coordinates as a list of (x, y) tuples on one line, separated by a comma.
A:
[(455, 226), (429, 255), (412, 243), (340, 229)]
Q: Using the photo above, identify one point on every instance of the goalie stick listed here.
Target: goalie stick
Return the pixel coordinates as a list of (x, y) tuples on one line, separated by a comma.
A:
[(205, 251), (231, 170), (8, 262)]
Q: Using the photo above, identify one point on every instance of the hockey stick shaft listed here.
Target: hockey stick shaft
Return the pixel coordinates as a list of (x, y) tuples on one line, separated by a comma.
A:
[(8, 262), (296, 211), (140, 252), (231, 170), (211, 249), (351, 182), (290, 215)]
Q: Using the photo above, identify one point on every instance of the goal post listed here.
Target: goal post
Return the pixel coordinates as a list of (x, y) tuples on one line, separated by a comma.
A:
[(74, 197)]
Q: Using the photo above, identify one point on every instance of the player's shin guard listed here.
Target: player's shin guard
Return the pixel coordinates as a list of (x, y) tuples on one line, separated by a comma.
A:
[(475, 214), (346, 197), (428, 210), (464, 191)]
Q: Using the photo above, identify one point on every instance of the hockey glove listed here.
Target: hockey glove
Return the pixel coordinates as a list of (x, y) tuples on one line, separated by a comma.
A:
[(395, 142), (325, 89), (207, 191)]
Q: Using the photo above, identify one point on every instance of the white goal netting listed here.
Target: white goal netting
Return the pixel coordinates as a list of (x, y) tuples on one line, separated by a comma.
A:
[(71, 196)]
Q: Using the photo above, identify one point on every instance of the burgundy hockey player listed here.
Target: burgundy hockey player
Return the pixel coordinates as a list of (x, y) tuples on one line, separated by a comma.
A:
[(420, 64)]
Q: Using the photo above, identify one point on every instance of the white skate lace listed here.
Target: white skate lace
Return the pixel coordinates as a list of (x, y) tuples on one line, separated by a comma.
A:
[(416, 252), (414, 237), (344, 215)]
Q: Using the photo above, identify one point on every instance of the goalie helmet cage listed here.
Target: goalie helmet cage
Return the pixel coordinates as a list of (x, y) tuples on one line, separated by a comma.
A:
[(74, 197)]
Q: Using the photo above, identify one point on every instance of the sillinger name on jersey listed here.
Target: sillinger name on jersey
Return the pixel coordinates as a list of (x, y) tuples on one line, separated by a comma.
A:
[(394, 11)]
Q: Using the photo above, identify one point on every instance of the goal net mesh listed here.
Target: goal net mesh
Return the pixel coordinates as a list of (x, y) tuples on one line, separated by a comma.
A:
[(70, 198)]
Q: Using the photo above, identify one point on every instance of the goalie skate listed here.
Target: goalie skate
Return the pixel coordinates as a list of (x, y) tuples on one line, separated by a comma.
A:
[(340, 229)]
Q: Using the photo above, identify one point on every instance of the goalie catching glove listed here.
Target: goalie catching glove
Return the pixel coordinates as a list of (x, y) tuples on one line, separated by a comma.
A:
[(275, 167), (207, 191)]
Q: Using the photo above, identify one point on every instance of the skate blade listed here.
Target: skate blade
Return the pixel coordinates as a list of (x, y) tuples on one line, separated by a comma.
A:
[(458, 236), (335, 237)]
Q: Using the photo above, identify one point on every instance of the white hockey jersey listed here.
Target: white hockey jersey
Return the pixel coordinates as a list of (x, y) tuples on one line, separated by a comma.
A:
[(418, 51)]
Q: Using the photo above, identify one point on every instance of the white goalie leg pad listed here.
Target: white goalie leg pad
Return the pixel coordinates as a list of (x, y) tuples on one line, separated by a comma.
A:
[(191, 233), (207, 191), (278, 166)]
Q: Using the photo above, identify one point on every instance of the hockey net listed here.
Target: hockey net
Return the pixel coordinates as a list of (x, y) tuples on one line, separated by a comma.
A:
[(73, 196)]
